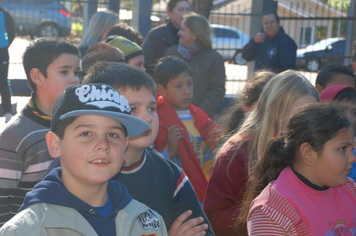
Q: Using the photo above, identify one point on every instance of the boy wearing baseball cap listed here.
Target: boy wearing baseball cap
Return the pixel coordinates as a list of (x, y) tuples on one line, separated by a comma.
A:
[(89, 131)]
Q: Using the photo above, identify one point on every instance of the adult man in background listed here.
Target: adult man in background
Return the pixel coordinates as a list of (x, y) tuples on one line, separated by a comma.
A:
[(272, 49)]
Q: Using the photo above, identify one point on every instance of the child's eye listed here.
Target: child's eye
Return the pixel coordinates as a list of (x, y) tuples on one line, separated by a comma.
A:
[(343, 148), (152, 109), (113, 135), (64, 72), (84, 134), (133, 109)]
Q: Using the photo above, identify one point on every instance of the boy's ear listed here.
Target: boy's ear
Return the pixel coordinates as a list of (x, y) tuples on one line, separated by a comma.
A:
[(319, 88), (308, 156), (126, 144), (354, 66), (161, 90), (36, 76), (53, 142)]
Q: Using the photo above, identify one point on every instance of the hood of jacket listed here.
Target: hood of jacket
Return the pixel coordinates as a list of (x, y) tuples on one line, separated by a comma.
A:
[(51, 190)]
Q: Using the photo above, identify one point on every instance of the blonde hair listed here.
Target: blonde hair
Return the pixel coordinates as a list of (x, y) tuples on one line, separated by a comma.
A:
[(99, 25), (200, 27), (272, 109)]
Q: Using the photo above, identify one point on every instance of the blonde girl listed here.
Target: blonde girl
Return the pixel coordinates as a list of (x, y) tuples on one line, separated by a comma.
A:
[(238, 155)]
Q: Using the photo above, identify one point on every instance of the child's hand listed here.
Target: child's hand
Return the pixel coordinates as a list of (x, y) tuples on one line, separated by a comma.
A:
[(190, 227), (174, 135)]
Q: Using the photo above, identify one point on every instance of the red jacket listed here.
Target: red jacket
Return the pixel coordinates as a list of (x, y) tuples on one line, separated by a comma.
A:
[(226, 189), (190, 163)]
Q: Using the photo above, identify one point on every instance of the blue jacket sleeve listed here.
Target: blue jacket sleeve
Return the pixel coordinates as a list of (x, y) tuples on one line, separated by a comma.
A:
[(249, 51), (186, 199)]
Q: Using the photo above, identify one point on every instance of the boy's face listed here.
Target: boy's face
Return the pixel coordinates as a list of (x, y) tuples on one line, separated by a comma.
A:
[(60, 74), (179, 91), (92, 151), (138, 62), (144, 106), (350, 109)]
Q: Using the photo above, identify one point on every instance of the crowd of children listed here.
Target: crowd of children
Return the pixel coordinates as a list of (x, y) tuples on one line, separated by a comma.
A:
[(104, 148)]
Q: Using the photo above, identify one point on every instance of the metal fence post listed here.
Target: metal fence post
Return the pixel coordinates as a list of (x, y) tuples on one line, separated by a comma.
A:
[(141, 16), (89, 9), (114, 5), (350, 33)]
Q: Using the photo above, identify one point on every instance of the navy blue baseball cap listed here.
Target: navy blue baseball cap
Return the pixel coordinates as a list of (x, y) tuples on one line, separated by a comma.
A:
[(100, 100)]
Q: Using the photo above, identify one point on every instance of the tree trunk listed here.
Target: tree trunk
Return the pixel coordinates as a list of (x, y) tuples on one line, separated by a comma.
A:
[(202, 7)]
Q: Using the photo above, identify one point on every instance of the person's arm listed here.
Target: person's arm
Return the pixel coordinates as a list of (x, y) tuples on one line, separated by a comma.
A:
[(186, 199), (10, 27), (249, 50), (288, 55), (258, 223), (216, 90), (225, 191)]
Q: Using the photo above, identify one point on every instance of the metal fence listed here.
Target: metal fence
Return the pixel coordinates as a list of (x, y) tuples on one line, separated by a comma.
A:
[(319, 30)]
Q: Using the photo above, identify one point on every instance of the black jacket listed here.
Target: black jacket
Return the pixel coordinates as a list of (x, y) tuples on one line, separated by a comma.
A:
[(157, 42), (278, 54)]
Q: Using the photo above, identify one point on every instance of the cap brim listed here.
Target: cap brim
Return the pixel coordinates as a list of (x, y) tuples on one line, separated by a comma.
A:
[(132, 124)]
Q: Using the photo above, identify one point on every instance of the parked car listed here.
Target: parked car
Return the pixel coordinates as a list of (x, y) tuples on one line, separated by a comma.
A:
[(324, 52), (229, 42), (39, 17)]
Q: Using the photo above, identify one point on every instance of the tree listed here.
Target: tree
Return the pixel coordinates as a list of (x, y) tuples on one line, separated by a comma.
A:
[(202, 7)]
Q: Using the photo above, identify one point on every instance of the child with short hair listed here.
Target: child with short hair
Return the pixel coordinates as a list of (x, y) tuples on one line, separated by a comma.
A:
[(334, 74), (133, 52), (345, 96), (184, 129), (149, 177), (300, 185), (51, 65), (89, 132)]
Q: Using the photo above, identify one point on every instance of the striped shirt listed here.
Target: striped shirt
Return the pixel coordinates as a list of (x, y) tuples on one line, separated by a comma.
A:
[(24, 158), (287, 206)]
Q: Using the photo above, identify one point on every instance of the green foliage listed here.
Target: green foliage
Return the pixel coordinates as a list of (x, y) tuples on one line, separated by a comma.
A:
[(342, 5)]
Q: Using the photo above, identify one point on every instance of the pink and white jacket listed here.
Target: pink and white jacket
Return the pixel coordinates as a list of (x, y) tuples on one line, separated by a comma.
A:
[(287, 206)]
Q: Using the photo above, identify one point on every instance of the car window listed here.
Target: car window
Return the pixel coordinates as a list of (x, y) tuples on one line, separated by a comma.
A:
[(339, 46), (225, 33)]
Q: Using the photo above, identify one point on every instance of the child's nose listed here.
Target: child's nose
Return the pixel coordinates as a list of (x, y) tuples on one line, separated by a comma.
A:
[(74, 80), (103, 144), (147, 117), (352, 157)]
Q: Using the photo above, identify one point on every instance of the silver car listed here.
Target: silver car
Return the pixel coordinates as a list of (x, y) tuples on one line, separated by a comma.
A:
[(39, 17), (229, 42)]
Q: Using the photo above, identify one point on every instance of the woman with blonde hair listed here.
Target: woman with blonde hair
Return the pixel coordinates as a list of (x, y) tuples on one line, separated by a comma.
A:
[(236, 158), (99, 25), (208, 66)]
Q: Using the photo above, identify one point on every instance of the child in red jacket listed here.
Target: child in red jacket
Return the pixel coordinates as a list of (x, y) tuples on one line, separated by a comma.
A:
[(184, 130)]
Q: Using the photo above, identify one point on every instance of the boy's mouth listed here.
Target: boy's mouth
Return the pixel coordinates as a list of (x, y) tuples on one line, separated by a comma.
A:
[(149, 131), (100, 161)]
